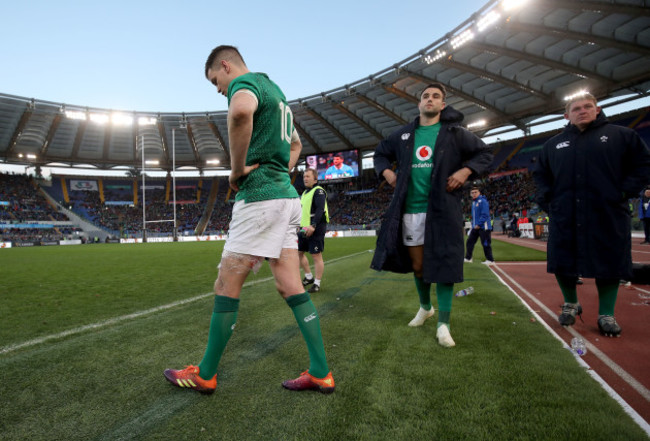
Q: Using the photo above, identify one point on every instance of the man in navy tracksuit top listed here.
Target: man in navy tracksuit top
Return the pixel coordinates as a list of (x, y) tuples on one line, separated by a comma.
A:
[(481, 227)]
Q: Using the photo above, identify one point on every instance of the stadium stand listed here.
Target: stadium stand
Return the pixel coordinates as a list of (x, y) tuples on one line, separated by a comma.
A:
[(204, 206)]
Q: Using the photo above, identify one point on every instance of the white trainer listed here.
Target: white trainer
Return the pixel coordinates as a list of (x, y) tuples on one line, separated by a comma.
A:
[(421, 316), (444, 337), (467, 260), (488, 262)]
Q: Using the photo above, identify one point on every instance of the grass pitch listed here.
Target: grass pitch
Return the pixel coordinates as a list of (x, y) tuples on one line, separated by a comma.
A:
[(87, 331)]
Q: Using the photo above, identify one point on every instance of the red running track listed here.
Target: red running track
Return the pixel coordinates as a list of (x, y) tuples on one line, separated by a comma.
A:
[(623, 363)]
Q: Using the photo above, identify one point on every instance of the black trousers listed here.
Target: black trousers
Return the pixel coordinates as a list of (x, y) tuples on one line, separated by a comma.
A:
[(646, 228), (486, 241)]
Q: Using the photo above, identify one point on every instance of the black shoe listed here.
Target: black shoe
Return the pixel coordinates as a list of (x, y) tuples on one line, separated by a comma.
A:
[(645, 242), (579, 281), (608, 326), (314, 288), (569, 312), (306, 281)]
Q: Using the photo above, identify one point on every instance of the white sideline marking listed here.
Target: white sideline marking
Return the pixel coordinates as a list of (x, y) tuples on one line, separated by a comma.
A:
[(640, 388), (135, 315)]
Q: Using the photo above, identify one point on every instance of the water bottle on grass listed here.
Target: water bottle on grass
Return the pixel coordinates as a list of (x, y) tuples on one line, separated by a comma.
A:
[(579, 346), (465, 292)]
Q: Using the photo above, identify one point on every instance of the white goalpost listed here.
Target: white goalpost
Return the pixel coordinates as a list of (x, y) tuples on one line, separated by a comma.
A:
[(144, 198)]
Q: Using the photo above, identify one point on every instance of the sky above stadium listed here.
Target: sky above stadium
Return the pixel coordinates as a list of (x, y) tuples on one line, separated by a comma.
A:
[(149, 56)]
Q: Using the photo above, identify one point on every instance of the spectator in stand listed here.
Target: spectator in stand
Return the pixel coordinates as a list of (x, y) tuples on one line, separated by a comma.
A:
[(644, 214), (584, 177), (481, 227)]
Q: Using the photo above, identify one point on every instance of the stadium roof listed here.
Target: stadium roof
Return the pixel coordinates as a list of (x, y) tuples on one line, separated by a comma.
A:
[(503, 68)]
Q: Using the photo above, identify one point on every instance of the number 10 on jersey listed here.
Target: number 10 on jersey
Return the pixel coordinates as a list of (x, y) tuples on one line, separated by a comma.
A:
[(286, 122)]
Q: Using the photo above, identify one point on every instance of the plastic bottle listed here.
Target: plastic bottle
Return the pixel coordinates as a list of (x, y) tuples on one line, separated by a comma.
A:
[(465, 292), (579, 346)]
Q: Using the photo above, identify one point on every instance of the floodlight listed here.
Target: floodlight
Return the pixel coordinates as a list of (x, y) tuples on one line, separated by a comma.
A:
[(99, 118), (147, 121), (479, 123), (461, 39), (507, 5), (487, 20), (73, 114), (576, 95), (121, 119), (432, 58)]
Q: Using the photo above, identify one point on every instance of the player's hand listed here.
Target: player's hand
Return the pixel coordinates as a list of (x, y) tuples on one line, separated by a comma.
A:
[(457, 180), (390, 177), (234, 176), (309, 230)]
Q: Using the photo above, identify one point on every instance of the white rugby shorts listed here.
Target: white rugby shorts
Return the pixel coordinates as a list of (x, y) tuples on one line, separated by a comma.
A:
[(413, 229), (264, 228)]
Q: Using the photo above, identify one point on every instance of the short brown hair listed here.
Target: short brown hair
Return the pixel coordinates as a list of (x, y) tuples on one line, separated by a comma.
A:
[(313, 172), (223, 52), (586, 96), (436, 86)]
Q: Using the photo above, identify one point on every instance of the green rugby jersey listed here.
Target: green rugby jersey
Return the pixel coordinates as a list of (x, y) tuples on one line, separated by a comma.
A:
[(417, 197), (270, 144)]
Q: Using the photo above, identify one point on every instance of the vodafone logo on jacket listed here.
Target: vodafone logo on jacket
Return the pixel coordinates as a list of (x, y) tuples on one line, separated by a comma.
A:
[(424, 153)]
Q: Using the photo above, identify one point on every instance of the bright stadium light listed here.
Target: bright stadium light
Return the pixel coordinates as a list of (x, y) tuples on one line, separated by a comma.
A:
[(147, 121), (31, 156), (432, 58), (73, 114), (479, 123), (99, 118), (152, 162), (507, 5), (212, 162), (121, 119), (461, 39), (576, 95), (487, 20)]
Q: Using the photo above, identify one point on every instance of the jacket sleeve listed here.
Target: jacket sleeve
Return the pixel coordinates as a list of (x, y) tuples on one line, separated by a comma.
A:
[(384, 156), (477, 155), (318, 206), (483, 214), (637, 166), (543, 180), (641, 214)]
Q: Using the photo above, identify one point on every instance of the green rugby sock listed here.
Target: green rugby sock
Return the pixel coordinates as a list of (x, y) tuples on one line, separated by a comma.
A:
[(309, 323), (444, 294), (424, 292), (568, 288), (224, 317), (607, 294)]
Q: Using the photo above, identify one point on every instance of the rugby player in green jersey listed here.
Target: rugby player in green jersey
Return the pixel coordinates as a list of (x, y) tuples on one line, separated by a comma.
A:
[(264, 147)]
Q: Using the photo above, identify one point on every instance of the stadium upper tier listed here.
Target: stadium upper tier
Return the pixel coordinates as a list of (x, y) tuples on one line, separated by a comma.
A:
[(505, 67)]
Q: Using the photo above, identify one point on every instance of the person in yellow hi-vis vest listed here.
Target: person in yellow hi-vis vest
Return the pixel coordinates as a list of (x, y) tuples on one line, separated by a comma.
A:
[(313, 225)]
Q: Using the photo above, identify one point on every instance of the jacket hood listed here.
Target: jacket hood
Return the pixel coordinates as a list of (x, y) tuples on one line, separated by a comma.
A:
[(449, 115)]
